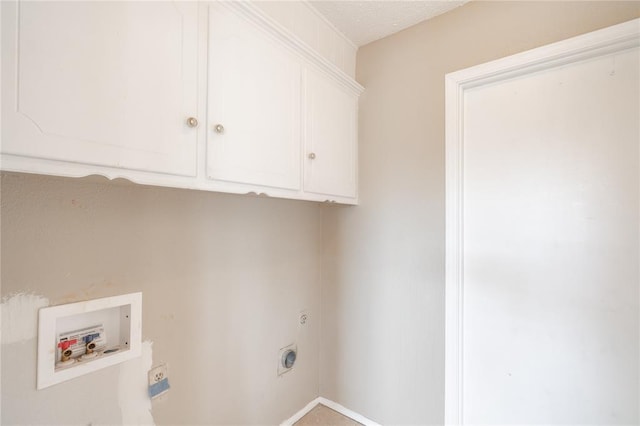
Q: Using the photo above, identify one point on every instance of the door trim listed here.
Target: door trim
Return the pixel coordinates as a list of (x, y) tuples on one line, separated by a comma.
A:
[(598, 43)]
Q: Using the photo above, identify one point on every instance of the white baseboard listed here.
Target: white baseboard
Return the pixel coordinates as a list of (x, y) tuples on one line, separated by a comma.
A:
[(334, 406), (346, 412), (300, 414)]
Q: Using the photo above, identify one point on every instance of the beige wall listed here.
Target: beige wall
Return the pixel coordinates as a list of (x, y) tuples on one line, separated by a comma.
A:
[(223, 276), (382, 350)]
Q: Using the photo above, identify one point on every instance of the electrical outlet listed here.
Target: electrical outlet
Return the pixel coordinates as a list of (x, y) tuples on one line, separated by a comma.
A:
[(303, 317), (158, 381), (158, 373)]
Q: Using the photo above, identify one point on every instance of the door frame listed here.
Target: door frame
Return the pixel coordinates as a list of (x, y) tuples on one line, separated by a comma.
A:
[(591, 45)]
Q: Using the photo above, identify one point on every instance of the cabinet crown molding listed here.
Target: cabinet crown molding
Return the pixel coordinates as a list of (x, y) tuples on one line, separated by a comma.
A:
[(274, 28)]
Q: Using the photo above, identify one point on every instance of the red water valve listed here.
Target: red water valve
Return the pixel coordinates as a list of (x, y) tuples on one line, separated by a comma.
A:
[(66, 352), (65, 345)]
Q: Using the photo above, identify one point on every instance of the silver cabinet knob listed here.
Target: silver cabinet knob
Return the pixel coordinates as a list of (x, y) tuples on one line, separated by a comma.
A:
[(312, 156), (219, 128), (192, 122)]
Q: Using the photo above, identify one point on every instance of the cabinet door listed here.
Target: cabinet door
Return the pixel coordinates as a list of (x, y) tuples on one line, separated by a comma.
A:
[(101, 83), (331, 137), (254, 102)]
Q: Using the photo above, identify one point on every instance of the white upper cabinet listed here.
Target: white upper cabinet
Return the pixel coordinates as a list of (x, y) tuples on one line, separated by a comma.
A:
[(216, 96), (254, 133), (99, 84), (331, 123)]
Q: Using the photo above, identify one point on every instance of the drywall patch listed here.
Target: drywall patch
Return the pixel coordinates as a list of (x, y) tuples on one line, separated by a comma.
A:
[(20, 317), (133, 397)]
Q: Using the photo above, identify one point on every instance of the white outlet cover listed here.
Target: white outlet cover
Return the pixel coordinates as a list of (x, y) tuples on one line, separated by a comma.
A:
[(159, 382), (158, 373)]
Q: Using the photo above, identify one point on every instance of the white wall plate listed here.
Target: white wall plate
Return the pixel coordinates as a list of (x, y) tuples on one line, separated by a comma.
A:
[(118, 319)]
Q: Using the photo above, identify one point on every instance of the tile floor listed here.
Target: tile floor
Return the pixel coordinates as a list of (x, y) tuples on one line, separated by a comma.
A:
[(324, 416)]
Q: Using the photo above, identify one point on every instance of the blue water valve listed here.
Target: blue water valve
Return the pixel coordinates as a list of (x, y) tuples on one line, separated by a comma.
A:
[(89, 337)]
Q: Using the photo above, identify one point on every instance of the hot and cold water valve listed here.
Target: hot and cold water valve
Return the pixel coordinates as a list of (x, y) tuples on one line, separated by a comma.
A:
[(81, 345)]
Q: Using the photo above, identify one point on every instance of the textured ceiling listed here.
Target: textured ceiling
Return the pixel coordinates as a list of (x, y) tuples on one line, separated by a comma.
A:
[(366, 21)]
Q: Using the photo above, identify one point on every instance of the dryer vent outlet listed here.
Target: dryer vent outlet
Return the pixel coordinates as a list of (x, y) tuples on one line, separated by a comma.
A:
[(287, 359)]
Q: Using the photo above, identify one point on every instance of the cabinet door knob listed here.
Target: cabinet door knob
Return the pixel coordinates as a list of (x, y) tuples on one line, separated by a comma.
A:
[(192, 122), (219, 128), (312, 156)]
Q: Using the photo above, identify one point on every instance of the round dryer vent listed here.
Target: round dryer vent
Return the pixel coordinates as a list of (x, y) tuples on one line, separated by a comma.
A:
[(288, 358)]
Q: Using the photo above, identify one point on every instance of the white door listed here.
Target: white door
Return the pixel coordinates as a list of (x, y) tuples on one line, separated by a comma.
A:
[(331, 125), (543, 267), (102, 83), (254, 104)]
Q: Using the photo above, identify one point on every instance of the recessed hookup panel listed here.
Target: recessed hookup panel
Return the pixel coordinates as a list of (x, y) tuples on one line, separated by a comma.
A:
[(79, 338)]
